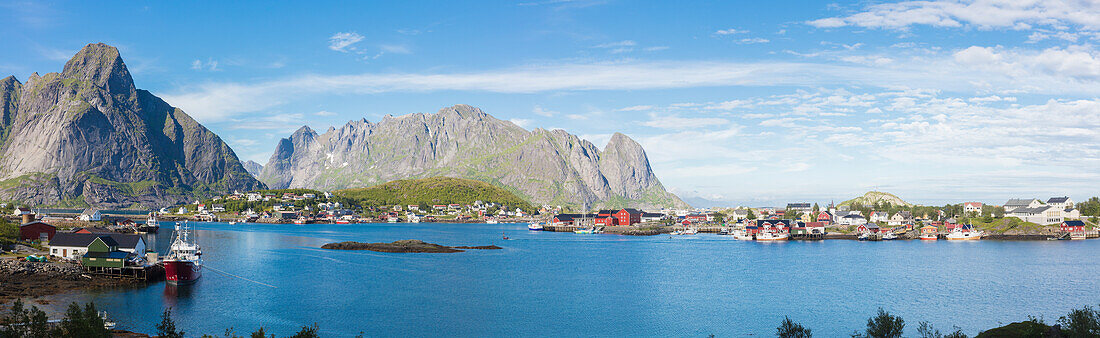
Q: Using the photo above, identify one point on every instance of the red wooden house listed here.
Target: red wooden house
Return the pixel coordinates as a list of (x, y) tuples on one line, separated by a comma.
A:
[(36, 230), (825, 217), (1073, 226)]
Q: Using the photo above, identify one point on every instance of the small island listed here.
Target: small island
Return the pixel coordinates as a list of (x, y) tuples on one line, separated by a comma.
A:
[(405, 246)]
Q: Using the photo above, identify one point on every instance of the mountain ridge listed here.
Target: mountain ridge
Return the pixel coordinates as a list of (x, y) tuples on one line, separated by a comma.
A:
[(543, 166), (874, 197), (86, 136)]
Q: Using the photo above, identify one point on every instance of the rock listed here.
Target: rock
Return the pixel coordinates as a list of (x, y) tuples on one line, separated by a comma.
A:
[(253, 168), (403, 246), (544, 166), (87, 133)]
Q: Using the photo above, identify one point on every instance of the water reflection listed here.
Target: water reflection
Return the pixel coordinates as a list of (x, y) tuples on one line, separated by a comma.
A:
[(174, 293)]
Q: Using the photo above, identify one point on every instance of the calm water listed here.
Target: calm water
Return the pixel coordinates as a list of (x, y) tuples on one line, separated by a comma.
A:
[(564, 284)]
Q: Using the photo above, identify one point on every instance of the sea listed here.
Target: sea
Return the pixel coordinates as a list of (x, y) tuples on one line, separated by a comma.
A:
[(277, 277)]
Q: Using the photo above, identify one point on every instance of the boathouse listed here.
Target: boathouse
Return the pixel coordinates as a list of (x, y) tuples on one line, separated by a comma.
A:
[(74, 245), (36, 231), (1073, 226), (103, 252), (868, 228)]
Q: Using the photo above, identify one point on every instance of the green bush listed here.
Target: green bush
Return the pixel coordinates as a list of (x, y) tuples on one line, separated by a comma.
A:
[(790, 329)]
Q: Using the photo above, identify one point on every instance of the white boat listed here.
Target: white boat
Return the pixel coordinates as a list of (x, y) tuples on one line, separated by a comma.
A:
[(772, 236), (742, 235), (492, 221), (585, 231), (690, 231), (183, 263), (964, 232), (414, 218), (534, 227), (889, 236), (391, 219)]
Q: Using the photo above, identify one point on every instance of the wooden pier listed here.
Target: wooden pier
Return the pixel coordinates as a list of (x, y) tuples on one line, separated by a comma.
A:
[(147, 273)]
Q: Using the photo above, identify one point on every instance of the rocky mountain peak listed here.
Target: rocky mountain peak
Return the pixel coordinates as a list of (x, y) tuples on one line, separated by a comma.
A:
[(305, 132), (101, 65), (463, 111)]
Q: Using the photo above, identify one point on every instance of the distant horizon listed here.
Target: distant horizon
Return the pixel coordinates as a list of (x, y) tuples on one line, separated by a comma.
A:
[(756, 103)]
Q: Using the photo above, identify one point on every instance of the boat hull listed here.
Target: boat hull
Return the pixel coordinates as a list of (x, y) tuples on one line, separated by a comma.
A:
[(923, 238), (960, 238), (181, 272)]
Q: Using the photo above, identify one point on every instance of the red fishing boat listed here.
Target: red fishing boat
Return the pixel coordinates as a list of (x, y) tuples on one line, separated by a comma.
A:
[(183, 264)]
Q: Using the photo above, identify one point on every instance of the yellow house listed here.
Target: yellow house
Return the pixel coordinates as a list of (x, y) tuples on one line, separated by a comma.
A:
[(806, 217)]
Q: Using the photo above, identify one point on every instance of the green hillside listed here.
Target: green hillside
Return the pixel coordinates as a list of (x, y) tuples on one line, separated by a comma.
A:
[(433, 190)]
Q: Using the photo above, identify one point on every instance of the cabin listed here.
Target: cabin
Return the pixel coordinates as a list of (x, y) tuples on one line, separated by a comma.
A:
[(36, 231), (868, 228), (929, 230), (696, 218), (71, 245), (21, 210), (103, 252), (1073, 226), (852, 219)]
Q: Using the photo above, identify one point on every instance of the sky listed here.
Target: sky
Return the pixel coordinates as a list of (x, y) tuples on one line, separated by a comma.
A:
[(741, 102)]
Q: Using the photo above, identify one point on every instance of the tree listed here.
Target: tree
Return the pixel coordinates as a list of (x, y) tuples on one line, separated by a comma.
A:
[(1083, 322), (307, 332), (750, 215), (925, 330), (167, 327), (83, 323), (790, 329), (883, 325), (22, 322)]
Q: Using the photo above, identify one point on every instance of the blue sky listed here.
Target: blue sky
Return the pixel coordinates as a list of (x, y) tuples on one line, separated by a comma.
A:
[(750, 102)]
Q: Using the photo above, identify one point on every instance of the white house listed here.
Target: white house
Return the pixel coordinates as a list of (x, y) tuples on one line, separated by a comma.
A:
[(1042, 215), (181, 211), (1061, 202), (90, 215), (901, 217), (254, 196), (879, 216), (22, 210), (975, 207), (73, 245), (851, 219), (1016, 203)]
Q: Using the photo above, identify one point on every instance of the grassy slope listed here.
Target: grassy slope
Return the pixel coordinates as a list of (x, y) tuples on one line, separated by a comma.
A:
[(434, 190)]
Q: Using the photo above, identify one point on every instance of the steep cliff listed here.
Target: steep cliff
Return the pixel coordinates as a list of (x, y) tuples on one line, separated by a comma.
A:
[(87, 136)]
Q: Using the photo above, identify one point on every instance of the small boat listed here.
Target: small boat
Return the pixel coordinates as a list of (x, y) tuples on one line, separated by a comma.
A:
[(772, 236), (889, 236), (343, 221), (232, 222), (742, 235), (492, 221), (864, 237), (585, 231), (107, 323), (534, 227), (151, 225), (724, 231), (300, 221), (391, 219), (183, 263), (505, 236), (964, 232)]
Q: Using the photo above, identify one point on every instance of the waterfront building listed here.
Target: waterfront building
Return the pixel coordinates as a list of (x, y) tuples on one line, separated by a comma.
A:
[(776, 226), (868, 228), (879, 216), (800, 207), (73, 245), (825, 217), (1073, 226), (851, 219), (103, 252)]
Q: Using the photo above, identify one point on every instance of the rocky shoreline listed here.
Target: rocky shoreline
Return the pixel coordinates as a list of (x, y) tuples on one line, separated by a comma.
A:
[(26, 279), (405, 246)]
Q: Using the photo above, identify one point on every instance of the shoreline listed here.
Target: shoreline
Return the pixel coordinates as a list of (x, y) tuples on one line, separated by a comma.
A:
[(33, 281)]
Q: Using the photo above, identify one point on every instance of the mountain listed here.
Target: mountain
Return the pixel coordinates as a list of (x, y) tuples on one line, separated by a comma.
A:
[(433, 191), (542, 166), (874, 197), (87, 136), (253, 168)]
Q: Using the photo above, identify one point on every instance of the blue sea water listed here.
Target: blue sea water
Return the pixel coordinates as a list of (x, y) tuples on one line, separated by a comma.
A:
[(564, 284)]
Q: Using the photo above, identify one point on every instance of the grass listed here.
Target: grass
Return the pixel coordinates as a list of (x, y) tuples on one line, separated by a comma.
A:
[(434, 190)]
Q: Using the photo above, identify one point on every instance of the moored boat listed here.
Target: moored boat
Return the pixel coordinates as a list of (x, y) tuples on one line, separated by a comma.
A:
[(183, 263), (300, 221), (535, 227), (889, 236), (964, 232), (929, 233), (151, 225)]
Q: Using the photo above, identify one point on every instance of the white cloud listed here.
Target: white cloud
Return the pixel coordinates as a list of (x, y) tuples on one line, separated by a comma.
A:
[(636, 108), (543, 112), (325, 113), (619, 44), (753, 40), (343, 41), (210, 65), (681, 123), (395, 49), (984, 14), (576, 117), (796, 167), (730, 31), (523, 123)]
